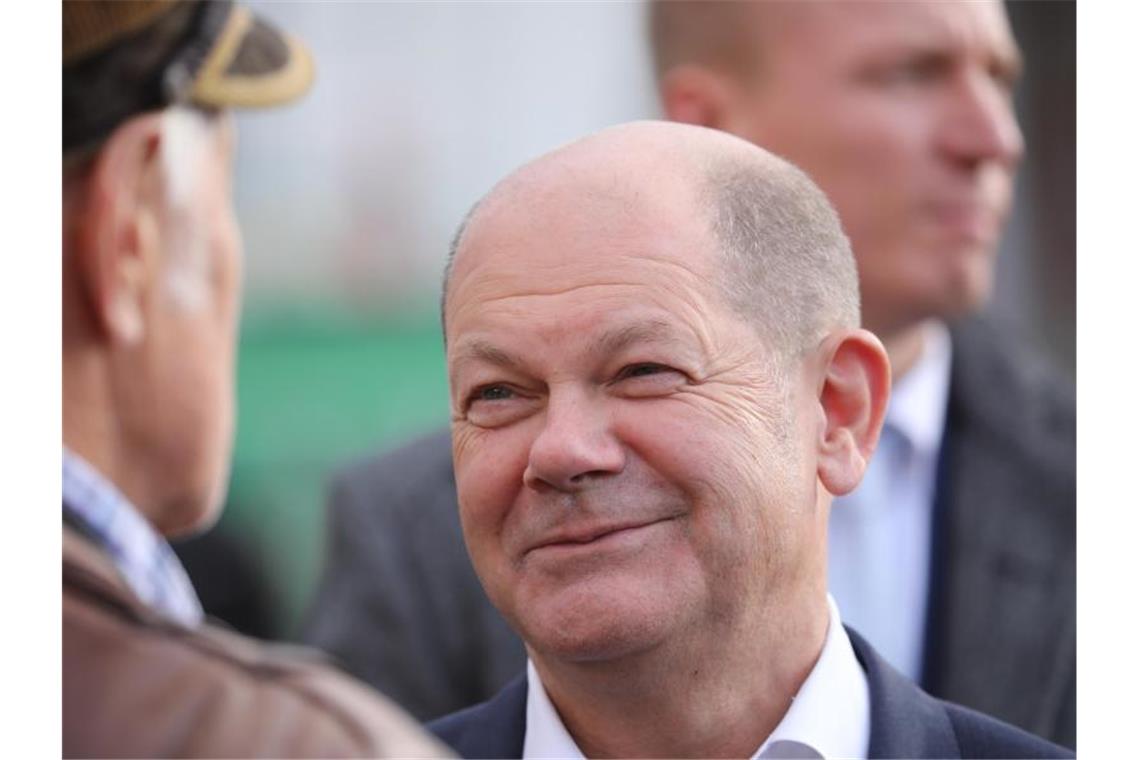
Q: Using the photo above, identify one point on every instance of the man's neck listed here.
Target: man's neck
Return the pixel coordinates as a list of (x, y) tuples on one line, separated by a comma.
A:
[(718, 696), (91, 430)]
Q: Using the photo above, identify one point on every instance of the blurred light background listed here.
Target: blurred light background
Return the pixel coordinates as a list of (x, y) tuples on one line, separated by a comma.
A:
[(349, 199)]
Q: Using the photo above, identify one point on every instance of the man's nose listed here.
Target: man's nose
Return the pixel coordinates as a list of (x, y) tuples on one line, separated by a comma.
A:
[(979, 126), (575, 447)]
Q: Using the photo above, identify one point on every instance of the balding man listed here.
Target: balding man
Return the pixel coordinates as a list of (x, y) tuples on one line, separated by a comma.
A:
[(658, 383), (151, 277), (956, 555)]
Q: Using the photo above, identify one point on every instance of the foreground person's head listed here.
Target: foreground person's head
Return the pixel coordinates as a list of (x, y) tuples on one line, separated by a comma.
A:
[(151, 247)]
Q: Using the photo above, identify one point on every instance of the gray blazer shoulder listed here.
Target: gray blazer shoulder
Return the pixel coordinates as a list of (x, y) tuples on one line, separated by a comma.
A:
[(399, 603), (1002, 635)]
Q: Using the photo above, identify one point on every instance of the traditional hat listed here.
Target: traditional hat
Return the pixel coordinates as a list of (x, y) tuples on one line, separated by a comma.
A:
[(126, 57)]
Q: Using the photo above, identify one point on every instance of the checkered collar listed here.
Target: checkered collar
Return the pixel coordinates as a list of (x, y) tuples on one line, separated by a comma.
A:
[(143, 558)]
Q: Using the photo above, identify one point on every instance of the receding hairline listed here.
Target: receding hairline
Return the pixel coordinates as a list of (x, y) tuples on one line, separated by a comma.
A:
[(757, 210), (527, 179)]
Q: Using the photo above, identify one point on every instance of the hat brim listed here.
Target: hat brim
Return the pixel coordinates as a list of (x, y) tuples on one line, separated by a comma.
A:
[(252, 65)]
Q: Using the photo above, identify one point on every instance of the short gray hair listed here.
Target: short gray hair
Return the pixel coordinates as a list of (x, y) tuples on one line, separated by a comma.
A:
[(787, 266), (451, 251)]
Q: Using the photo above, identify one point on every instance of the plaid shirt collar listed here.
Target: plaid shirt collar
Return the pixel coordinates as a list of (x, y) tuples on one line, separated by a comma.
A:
[(145, 561)]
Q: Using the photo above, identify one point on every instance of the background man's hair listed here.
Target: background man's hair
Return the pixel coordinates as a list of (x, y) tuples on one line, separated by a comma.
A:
[(787, 266), (713, 32)]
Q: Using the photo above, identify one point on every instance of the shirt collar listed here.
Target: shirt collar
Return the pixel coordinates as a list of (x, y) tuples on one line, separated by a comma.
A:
[(142, 557), (830, 716), (546, 736), (917, 410)]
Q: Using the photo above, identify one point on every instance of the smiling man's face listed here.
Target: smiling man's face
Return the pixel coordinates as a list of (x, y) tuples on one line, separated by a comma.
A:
[(631, 465)]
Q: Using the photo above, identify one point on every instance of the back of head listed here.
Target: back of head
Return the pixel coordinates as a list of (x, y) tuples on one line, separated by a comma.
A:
[(151, 250)]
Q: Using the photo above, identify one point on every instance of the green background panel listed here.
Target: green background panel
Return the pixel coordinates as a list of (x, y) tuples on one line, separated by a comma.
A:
[(316, 390)]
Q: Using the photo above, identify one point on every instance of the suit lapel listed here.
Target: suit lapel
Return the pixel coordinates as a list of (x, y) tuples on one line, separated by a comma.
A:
[(905, 722), (495, 728)]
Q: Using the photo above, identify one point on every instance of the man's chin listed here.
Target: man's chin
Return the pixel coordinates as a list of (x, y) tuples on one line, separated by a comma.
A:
[(593, 629), (196, 511), (969, 296)]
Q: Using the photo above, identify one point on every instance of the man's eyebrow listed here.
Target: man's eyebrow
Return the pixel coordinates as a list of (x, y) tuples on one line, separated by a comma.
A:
[(611, 342), (481, 350), (1010, 62), (650, 331)]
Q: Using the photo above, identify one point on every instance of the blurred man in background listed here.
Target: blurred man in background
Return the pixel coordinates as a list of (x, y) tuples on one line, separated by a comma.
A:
[(956, 555), (151, 282)]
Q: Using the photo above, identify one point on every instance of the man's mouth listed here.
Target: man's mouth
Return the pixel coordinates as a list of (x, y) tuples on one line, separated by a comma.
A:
[(589, 535), (970, 221)]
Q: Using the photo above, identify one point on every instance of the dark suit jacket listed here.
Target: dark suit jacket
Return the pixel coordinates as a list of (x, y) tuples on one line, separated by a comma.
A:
[(1001, 633), (401, 605), (905, 722)]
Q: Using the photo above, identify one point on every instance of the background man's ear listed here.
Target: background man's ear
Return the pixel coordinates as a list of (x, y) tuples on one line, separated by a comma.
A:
[(697, 95), (116, 244), (853, 396)]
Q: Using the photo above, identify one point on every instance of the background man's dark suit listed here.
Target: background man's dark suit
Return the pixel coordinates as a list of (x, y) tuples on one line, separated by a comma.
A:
[(399, 603), (401, 606), (904, 722)]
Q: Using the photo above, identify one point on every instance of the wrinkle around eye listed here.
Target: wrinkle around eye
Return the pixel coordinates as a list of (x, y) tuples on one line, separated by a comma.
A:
[(497, 412), (660, 380)]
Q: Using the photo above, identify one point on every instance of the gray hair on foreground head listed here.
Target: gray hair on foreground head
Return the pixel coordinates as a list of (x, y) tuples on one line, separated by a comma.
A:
[(787, 267)]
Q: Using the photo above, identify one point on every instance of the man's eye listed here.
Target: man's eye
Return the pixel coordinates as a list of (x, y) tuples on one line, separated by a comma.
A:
[(642, 370), (497, 405), (492, 393), (924, 69)]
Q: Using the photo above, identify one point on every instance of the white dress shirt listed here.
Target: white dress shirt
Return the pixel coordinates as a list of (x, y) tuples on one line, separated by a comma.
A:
[(880, 534), (830, 716)]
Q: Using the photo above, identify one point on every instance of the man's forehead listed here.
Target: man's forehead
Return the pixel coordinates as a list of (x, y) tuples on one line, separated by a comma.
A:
[(869, 27), (611, 336), (558, 235)]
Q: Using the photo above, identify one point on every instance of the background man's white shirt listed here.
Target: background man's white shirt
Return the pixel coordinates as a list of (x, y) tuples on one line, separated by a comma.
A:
[(880, 535)]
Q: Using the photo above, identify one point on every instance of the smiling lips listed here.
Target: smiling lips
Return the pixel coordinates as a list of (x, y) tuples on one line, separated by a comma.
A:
[(573, 538)]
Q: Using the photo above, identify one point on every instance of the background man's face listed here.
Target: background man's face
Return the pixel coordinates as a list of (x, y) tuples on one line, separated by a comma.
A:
[(629, 468), (901, 112)]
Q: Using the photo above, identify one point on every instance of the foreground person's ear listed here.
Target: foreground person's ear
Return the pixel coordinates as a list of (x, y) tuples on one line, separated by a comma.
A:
[(117, 243)]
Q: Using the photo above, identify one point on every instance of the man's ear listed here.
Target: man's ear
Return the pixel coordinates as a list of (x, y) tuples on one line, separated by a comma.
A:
[(117, 241), (853, 394), (697, 95)]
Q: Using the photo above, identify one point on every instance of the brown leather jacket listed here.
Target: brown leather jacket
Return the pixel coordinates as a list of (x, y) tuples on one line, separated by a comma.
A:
[(138, 685)]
